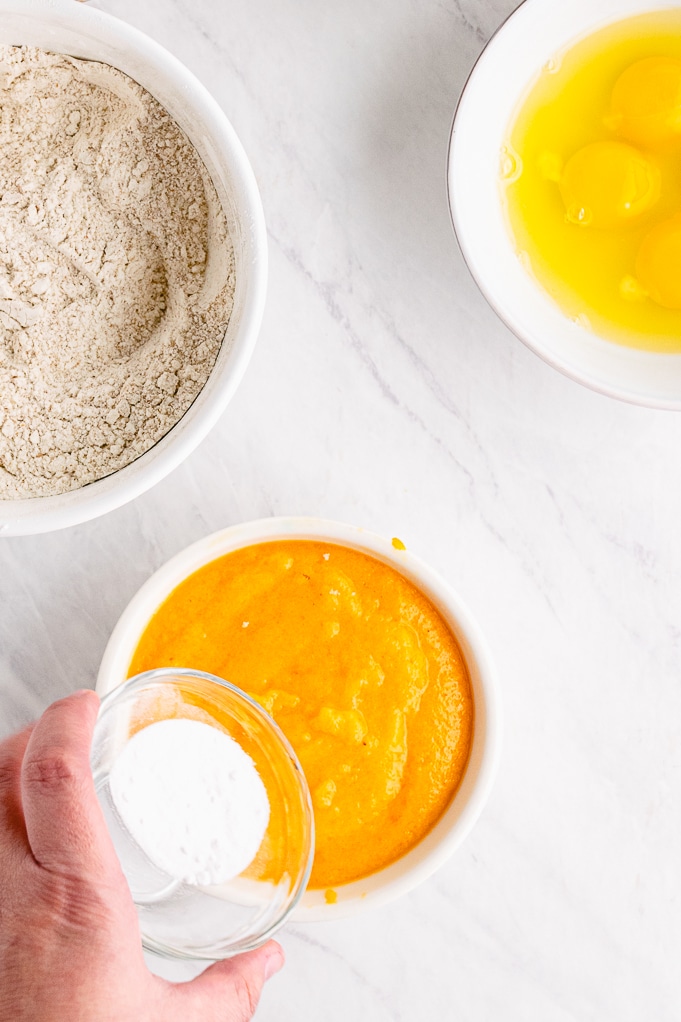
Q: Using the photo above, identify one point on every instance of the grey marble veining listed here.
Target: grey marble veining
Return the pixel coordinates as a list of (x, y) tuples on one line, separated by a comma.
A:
[(384, 392)]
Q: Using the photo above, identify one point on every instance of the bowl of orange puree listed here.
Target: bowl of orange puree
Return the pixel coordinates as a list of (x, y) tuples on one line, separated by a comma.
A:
[(370, 664)]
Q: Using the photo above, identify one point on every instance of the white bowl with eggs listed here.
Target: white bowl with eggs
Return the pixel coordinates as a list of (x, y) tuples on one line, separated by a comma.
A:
[(64, 26), (530, 38), (469, 798)]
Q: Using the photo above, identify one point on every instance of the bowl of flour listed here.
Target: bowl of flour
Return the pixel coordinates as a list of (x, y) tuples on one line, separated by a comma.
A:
[(132, 264)]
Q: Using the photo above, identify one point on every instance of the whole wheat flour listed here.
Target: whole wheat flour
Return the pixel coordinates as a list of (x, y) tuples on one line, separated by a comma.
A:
[(116, 272)]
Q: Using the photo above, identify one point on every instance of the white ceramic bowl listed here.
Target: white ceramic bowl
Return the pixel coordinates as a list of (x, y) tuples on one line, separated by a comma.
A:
[(469, 799), (68, 27), (499, 80)]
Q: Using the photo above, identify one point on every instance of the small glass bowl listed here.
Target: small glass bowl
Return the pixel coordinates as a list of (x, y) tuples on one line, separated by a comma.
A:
[(180, 920)]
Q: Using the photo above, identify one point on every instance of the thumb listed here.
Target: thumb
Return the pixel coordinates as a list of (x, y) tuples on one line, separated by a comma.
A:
[(229, 991), (64, 822)]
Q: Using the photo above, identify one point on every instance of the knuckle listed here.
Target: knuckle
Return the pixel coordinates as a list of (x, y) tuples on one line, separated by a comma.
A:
[(53, 768), (72, 907), (8, 774)]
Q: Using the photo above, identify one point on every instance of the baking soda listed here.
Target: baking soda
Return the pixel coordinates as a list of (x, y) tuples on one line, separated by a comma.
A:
[(192, 800)]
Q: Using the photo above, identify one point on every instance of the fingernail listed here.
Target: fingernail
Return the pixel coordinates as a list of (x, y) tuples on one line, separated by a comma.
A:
[(273, 962)]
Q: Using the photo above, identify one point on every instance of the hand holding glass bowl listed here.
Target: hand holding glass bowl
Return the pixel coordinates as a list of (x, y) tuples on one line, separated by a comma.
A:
[(200, 919)]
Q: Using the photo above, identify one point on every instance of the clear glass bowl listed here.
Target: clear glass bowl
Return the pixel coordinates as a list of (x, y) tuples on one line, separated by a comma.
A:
[(181, 920)]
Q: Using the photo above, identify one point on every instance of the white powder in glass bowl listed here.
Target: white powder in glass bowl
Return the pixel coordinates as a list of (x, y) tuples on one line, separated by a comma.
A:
[(192, 799), (116, 272)]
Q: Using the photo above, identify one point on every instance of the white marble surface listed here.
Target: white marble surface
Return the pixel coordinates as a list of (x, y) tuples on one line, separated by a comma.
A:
[(385, 393)]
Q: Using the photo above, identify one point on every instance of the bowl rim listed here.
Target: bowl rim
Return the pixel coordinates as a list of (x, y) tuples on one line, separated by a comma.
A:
[(458, 819), (170, 675), (482, 68), (33, 515)]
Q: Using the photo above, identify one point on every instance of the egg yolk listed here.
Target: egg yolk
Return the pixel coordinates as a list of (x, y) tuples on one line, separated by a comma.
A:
[(591, 165), (646, 103), (658, 263), (607, 184)]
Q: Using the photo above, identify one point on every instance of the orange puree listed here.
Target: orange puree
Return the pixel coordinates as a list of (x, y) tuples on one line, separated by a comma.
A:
[(356, 666)]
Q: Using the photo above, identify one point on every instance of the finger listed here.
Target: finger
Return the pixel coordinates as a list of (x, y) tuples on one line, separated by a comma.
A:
[(13, 839), (229, 991), (64, 822)]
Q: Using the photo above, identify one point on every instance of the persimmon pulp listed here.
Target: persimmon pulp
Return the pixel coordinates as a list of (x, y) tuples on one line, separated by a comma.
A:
[(358, 668)]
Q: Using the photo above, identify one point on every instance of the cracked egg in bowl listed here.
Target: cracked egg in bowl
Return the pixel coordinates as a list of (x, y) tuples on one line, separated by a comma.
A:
[(563, 178)]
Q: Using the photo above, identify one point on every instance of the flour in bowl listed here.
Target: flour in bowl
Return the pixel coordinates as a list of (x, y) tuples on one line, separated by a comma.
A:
[(116, 272)]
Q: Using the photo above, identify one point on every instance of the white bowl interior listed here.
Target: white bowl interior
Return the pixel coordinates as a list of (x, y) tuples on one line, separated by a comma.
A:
[(468, 802), (507, 67), (67, 27)]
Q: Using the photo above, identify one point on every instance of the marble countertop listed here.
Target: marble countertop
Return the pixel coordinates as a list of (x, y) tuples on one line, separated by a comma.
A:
[(384, 392)]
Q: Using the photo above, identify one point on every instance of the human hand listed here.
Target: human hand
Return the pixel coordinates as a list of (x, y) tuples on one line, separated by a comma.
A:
[(70, 947)]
